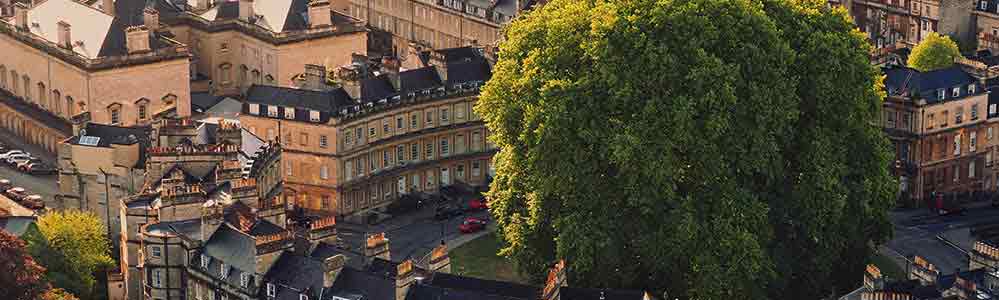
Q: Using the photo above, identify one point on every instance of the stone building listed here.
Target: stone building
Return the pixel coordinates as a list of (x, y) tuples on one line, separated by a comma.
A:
[(362, 145), (62, 58), (892, 24), (937, 123), (438, 24)]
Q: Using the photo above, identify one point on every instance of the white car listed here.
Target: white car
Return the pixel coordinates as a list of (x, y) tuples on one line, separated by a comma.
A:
[(17, 158), (11, 152)]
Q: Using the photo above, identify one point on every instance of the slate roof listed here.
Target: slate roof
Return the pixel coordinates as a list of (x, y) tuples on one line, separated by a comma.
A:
[(371, 286), (571, 293), (377, 88), (472, 70), (421, 291), (227, 245), (203, 101), (383, 267), (130, 13), (328, 101), (419, 79), (110, 134), (507, 7), (900, 81), (294, 274), (459, 54), (508, 290), (193, 173), (187, 228)]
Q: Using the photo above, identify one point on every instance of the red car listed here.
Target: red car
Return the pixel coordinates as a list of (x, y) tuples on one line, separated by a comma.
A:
[(477, 204), (471, 225)]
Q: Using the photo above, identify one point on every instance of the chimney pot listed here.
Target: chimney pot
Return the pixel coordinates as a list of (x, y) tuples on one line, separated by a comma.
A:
[(319, 14), (137, 39), (151, 18)]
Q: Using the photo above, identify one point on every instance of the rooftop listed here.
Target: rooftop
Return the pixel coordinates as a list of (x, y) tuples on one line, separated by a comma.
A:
[(908, 82)]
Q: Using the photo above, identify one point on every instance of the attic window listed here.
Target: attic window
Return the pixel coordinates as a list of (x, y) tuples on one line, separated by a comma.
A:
[(244, 279), (271, 290), (956, 92), (314, 115), (942, 94), (272, 111), (289, 113), (983, 5), (971, 88), (205, 260), (303, 297), (254, 109), (223, 270)]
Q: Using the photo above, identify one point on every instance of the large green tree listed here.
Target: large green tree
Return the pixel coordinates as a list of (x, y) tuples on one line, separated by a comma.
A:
[(934, 52), (72, 245), (706, 148)]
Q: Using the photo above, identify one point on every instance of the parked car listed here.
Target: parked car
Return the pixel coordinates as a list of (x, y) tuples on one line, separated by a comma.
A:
[(21, 166), (18, 156), (445, 212), (7, 154), (5, 184), (471, 225), (13, 161), (33, 202), (477, 204), (16, 193), (39, 169)]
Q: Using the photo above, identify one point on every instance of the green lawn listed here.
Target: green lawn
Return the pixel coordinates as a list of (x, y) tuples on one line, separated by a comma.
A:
[(478, 259), (888, 267)]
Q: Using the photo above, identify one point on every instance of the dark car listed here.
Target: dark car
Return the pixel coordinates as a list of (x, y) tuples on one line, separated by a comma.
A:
[(447, 211), (16, 193), (33, 202), (39, 168)]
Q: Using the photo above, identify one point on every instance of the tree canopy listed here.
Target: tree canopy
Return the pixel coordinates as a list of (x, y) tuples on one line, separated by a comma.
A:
[(933, 53), (72, 245), (710, 149), (20, 276)]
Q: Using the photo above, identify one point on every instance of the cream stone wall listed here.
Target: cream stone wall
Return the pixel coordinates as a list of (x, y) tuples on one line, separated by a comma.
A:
[(426, 22), (128, 86), (332, 51)]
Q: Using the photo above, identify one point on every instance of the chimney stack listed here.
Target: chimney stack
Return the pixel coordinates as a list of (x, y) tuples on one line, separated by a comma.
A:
[(439, 259), (377, 246), (151, 18), (390, 67), (137, 39), (556, 280), (65, 37), (246, 10), (349, 77), (108, 7), (322, 230), (21, 15), (319, 14), (404, 278), (331, 269)]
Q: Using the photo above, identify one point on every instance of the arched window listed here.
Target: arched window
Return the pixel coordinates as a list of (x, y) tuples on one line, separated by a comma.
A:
[(142, 108), (27, 88), (225, 73), (56, 106), (69, 106), (3, 77), (42, 94), (114, 113)]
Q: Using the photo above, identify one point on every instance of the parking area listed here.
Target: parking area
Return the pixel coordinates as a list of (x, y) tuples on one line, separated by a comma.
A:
[(43, 185)]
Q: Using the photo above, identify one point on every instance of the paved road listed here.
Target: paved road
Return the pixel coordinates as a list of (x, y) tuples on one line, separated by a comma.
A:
[(46, 186), (943, 241), (412, 235)]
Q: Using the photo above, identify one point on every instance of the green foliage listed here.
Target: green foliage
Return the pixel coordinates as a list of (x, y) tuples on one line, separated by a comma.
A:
[(712, 149), (58, 294), (72, 245), (20, 275), (933, 53)]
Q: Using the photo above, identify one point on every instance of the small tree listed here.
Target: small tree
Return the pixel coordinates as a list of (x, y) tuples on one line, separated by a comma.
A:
[(72, 245), (934, 53), (20, 275), (58, 294)]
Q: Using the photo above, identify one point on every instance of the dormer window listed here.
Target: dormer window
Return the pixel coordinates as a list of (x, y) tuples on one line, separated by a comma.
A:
[(303, 297), (271, 290), (971, 88), (244, 280), (272, 111), (314, 115), (289, 113), (956, 92), (983, 5), (254, 109), (941, 94), (223, 270), (205, 260)]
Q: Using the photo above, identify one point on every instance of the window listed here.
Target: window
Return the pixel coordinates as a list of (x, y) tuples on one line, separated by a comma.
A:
[(972, 138), (429, 149), (42, 92), (971, 89), (69, 106), (459, 144), (414, 151), (324, 172), (957, 144), (115, 113), (412, 121), (27, 87), (430, 118), (955, 92), (460, 171), (223, 270), (959, 115), (983, 5), (992, 109), (204, 261), (156, 251), (459, 112), (477, 140), (303, 297), (358, 133), (56, 99), (157, 278), (444, 146), (325, 202), (943, 120), (444, 115), (288, 166), (197, 291), (271, 290), (974, 111), (399, 123), (244, 279), (348, 170), (143, 107), (385, 127), (387, 158), (971, 169), (272, 111), (225, 70), (323, 142), (289, 113), (314, 115), (371, 131), (400, 153), (348, 138), (988, 134), (940, 92), (476, 170)]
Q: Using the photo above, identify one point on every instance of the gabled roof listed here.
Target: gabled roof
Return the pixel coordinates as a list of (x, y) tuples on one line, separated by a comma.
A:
[(232, 247), (294, 274)]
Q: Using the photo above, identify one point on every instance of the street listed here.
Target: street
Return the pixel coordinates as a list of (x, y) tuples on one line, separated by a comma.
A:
[(941, 240), (45, 185)]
